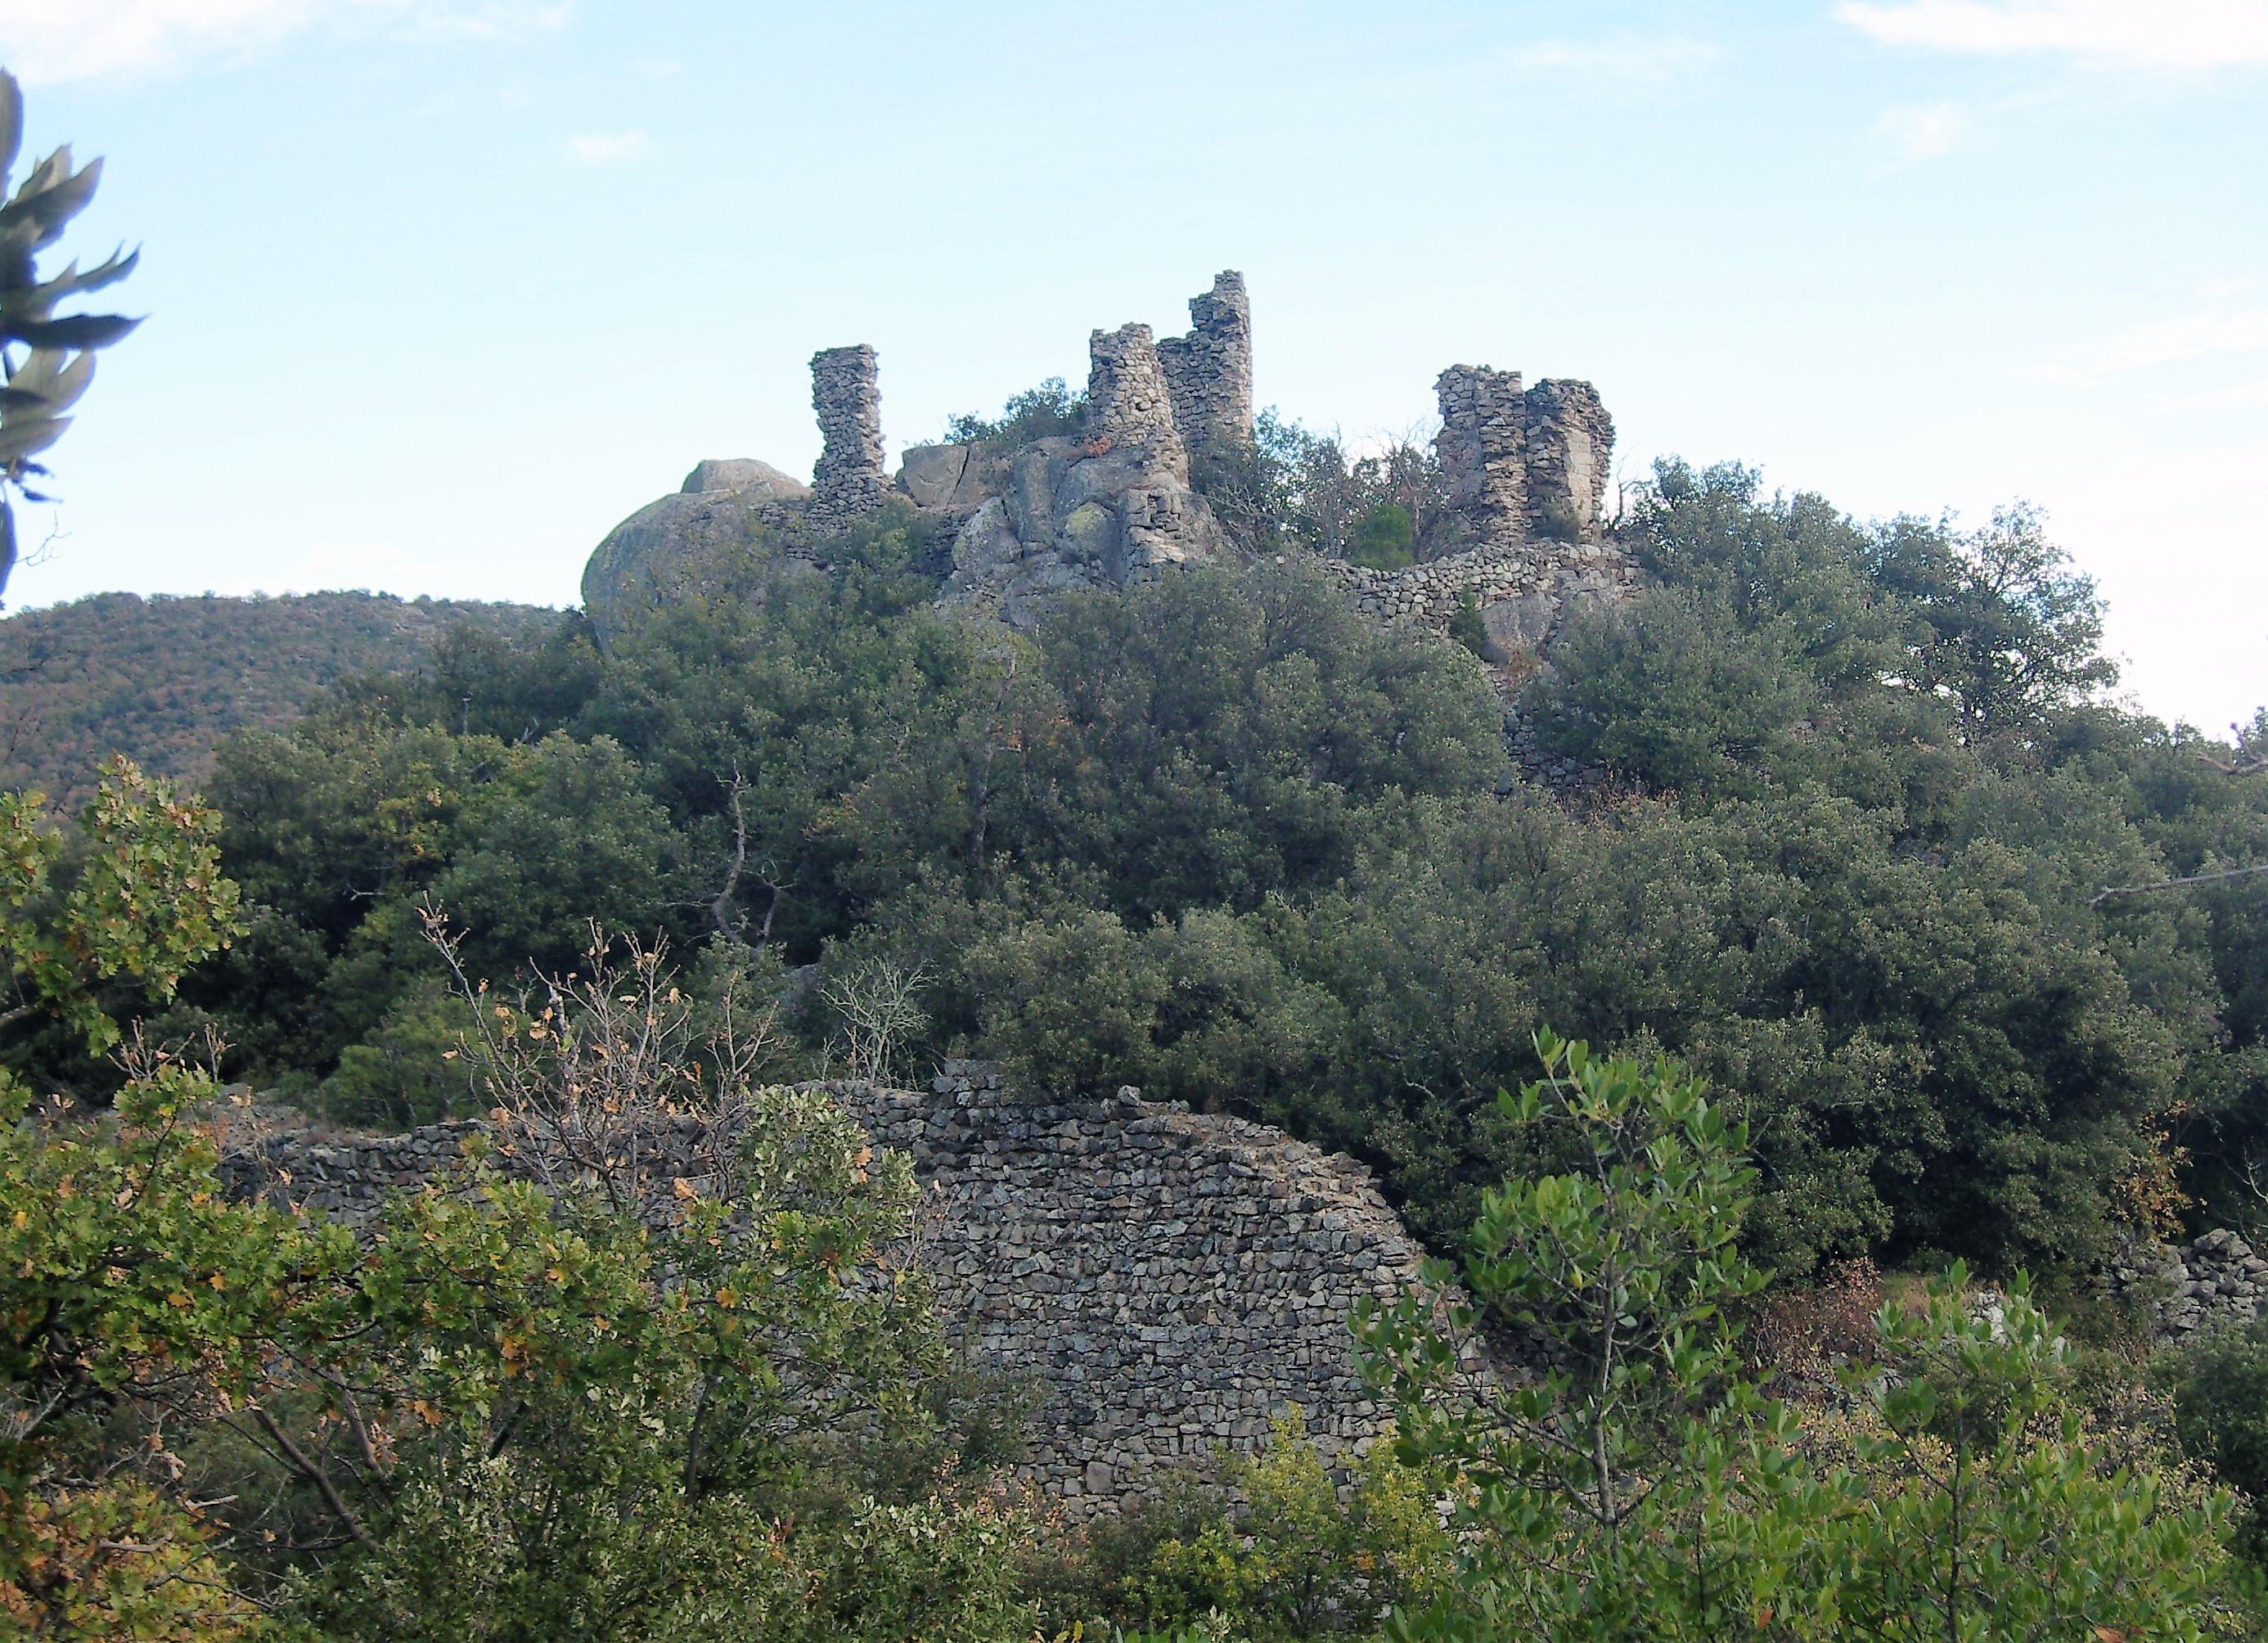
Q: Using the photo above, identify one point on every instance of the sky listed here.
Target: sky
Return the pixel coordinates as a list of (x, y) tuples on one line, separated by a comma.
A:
[(441, 290)]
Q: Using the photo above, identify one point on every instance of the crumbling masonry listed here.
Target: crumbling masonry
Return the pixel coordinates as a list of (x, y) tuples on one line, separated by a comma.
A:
[(1128, 403), (1209, 370), (849, 479), (1162, 1282)]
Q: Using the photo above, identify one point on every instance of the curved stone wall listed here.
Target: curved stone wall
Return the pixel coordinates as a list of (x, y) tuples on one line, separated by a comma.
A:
[(1163, 1282)]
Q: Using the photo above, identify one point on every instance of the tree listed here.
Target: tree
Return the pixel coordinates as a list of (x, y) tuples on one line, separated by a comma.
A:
[(141, 897), (59, 362), (1645, 1485)]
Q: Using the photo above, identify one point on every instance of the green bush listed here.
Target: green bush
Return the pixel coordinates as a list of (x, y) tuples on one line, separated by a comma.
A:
[(2219, 1384), (1384, 538)]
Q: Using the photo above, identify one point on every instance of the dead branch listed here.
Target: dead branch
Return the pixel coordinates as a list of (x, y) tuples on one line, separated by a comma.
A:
[(2177, 884)]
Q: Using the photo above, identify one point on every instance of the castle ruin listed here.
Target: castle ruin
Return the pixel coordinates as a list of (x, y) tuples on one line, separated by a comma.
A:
[(1208, 372), (1526, 469)]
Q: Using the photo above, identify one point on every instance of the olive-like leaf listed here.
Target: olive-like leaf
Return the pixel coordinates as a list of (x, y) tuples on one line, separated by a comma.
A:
[(28, 438), (74, 331)]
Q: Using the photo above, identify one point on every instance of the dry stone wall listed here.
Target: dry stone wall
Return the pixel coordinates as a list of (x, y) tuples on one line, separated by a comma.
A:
[(1208, 372), (1128, 403), (1164, 1282), (1483, 449), (2216, 1281), (1571, 442), (846, 393)]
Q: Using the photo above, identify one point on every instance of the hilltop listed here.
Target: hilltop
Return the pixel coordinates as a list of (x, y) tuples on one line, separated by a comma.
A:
[(163, 679)]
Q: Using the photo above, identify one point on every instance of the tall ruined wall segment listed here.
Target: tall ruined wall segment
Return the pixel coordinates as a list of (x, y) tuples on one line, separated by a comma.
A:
[(846, 395), (1208, 372), (1128, 403), (1165, 1282), (1483, 449), (1571, 445)]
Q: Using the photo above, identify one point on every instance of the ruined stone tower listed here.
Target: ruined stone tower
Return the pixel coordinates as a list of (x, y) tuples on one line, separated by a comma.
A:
[(1571, 441), (849, 479), (1208, 372), (1483, 447), (1128, 403)]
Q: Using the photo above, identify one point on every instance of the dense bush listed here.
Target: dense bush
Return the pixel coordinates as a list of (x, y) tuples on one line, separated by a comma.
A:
[(1219, 837)]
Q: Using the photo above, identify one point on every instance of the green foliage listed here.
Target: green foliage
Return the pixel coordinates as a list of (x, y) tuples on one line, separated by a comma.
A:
[(1051, 410), (1294, 1561), (1384, 538), (139, 895), (1466, 627), (1290, 488), (58, 363), (164, 679), (131, 1292), (2220, 1390), (625, 1402), (408, 1070), (1649, 1488)]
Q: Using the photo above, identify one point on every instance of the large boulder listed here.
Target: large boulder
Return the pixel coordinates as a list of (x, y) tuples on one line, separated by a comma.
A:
[(654, 551), (744, 473), (1070, 515)]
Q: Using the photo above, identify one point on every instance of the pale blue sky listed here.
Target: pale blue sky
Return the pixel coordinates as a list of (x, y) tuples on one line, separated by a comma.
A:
[(442, 289)]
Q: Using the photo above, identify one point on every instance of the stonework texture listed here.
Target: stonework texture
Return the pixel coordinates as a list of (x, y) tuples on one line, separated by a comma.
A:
[(847, 395), (1128, 404), (1208, 372), (2213, 1282), (1571, 442), (1164, 1282), (1483, 449)]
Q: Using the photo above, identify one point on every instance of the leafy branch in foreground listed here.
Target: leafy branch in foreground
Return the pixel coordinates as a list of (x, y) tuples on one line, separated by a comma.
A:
[(58, 363), (1645, 1485)]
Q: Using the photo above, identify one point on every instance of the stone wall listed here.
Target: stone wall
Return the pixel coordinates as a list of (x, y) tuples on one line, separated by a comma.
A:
[(1128, 404), (845, 392), (1571, 442), (1483, 449), (2211, 1282), (1208, 372), (1163, 1282)]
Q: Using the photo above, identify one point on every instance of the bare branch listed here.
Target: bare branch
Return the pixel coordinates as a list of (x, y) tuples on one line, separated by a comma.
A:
[(2177, 884)]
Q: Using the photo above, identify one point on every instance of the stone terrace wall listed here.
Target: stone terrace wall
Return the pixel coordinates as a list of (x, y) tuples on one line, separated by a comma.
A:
[(1506, 572), (1208, 372), (1165, 1282)]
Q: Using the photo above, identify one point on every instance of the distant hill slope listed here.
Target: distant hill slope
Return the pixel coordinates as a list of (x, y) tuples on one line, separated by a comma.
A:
[(162, 680)]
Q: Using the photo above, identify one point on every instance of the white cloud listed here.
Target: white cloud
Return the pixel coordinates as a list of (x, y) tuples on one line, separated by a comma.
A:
[(2156, 34), (2204, 334), (1623, 56), (50, 40), (601, 148), (1919, 131)]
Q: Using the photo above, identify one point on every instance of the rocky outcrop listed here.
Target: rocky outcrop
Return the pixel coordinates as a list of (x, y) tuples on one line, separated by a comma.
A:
[(670, 545), (1108, 511), (1164, 1282), (2213, 1282)]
